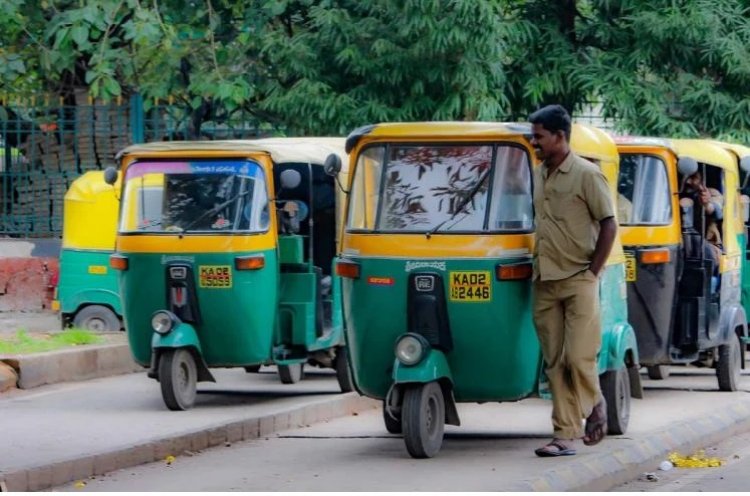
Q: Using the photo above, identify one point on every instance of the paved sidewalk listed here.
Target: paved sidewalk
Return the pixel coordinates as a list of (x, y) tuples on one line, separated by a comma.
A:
[(98, 423)]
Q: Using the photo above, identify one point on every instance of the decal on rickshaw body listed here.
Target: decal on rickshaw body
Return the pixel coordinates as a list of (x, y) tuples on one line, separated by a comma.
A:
[(380, 281), (630, 267), (470, 286), (215, 276), (410, 266), (424, 284)]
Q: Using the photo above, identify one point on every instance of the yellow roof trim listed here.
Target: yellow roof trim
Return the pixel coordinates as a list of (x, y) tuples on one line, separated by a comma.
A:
[(702, 150)]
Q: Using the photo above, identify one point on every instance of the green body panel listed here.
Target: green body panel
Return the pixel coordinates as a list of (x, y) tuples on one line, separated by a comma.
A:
[(496, 353), (291, 249), (433, 367), (744, 273), (237, 323), (182, 336), (618, 336), (297, 309), (79, 287)]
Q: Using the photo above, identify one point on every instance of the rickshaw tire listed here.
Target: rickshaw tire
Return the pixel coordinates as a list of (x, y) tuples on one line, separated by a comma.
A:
[(423, 419), (392, 425), (729, 365), (291, 374), (343, 376), (105, 317), (178, 375), (252, 369), (615, 386), (658, 372)]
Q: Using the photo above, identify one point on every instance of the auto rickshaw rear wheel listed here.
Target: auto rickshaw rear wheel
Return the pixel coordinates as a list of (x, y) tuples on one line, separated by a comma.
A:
[(392, 424), (178, 376), (658, 372), (343, 375), (291, 374), (423, 419), (729, 365), (615, 386), (97, 318)]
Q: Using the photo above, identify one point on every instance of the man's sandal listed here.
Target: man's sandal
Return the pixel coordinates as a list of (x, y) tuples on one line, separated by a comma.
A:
[(596, 424), (556, 447)]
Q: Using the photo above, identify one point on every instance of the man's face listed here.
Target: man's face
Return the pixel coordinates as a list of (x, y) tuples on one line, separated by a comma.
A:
[(694, 182), (546, 143)]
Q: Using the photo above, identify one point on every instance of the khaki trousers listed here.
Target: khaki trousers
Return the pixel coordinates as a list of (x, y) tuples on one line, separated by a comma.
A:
[(566, 316)]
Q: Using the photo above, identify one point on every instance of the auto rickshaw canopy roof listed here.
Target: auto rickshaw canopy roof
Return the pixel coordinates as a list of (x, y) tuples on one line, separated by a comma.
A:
[(90, 213), (740, 150), (281, 150), (702, 150), (591, 142)]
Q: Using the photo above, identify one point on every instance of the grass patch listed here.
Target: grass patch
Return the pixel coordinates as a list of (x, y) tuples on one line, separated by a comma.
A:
[(23, 343)]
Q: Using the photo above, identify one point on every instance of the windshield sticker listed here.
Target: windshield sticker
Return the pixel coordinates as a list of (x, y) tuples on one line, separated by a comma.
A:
[(243, 168), (410, 266)]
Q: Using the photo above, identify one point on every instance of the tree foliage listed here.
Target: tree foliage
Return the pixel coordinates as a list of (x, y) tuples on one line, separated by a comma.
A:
[(663, 67)]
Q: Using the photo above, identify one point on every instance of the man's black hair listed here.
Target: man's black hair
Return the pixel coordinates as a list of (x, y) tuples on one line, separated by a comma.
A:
[(553, 118)]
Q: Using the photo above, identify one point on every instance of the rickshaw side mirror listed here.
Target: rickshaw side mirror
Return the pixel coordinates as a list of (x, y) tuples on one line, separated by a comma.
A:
[(110, 175), (332, 165), (745, 164), (290, 179), (687, 166)]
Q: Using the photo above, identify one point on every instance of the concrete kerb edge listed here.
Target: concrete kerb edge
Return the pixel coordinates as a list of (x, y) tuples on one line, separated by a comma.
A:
[(603, 471), (72, 364), (64, 471)]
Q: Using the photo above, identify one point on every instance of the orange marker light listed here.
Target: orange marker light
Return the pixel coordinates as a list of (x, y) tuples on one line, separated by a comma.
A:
[(513, 272), (118, 262), (252, 262), (655, 256), (347, 269)]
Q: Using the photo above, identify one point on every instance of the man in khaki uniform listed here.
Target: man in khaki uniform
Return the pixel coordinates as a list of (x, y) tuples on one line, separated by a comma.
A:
[(575, 230)]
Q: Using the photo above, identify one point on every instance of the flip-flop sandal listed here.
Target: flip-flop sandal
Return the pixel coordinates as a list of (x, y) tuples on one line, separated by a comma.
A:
[(596, 424), (559, 449)]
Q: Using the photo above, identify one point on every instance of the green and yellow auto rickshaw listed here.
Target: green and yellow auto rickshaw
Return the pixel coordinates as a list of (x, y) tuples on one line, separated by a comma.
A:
[(86, 294), (225, 252), (683, 278), (436, 264)]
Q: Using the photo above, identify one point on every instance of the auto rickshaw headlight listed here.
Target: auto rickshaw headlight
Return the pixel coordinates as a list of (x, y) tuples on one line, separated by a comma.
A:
[(411, 348), (163, 322)]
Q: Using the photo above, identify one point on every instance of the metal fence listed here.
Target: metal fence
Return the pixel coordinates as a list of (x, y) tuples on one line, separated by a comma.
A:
[(45, 145)]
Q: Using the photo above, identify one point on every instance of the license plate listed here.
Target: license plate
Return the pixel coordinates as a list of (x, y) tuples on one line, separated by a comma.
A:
[(215, 276), (470, 286), (629, 267)]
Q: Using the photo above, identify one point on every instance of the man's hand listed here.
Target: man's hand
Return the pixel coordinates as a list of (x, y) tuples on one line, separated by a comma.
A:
[(704, 195)]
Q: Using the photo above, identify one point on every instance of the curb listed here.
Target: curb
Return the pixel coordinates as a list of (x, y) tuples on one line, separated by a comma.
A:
[(56, 474), (75, 364), (603, 471)]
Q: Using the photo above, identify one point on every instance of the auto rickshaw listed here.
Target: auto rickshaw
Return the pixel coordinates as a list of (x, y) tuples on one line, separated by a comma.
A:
[(436, 264), (684, 306), (86, 294), (225, 251), (742, 155)]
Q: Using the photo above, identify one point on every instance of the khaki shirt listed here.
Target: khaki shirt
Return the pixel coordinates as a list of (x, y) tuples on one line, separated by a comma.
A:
[(568, 206)]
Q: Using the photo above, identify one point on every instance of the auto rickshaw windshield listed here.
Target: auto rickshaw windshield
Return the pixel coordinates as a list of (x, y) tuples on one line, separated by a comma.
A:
[(458, 188), (644, 197), (200, 196)]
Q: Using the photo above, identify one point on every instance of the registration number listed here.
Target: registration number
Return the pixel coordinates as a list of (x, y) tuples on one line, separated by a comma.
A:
[(215, 276), (470, 286), (630, 267)]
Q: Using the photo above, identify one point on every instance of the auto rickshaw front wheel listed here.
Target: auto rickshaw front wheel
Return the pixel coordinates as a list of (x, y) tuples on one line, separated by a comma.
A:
[(291, 374), (97, 318), (423, 419), (178, 376), (615, 386), (729, 365), (658, 372)]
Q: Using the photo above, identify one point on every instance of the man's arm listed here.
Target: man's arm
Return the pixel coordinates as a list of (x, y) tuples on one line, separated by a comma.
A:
[(607, 232)]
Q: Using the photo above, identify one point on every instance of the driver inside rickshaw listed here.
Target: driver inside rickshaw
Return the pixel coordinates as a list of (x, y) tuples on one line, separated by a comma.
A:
[(707, 219)]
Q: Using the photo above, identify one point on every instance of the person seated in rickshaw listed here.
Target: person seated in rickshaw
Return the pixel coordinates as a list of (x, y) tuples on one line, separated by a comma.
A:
[(711, 201)]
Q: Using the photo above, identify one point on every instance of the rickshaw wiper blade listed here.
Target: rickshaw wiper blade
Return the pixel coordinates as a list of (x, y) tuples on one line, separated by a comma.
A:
[(463, 205), (213, 211)]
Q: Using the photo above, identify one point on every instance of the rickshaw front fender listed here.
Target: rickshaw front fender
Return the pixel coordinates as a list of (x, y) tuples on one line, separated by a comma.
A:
[(434, 367), (182, 336), (622, 348)]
